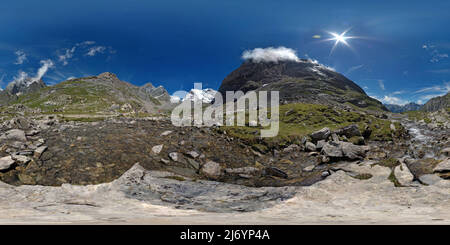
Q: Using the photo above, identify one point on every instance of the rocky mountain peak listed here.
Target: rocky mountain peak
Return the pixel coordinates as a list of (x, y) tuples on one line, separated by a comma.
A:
[(107, 75), (437, 103), (25, 85), (298, 81)]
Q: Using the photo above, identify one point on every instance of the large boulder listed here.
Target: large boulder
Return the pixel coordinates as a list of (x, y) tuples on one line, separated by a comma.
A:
[(6, 162), (349, 131), (352, 151), (443, 166), (212, 170), (332, 149), (310, 146), (14, 134), (344, 149), (403, 175), (321, 134)]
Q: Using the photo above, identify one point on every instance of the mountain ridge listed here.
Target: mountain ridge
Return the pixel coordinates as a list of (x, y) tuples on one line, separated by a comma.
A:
[(304, 81)]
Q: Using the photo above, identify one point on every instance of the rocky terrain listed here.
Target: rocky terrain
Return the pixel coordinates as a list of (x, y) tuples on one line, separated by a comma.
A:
[(100, 150), (146, 171)]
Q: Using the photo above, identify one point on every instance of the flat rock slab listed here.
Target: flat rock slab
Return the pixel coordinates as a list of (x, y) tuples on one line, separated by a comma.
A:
[(443, 166), (6, 162), (153, 197), (429, 179)]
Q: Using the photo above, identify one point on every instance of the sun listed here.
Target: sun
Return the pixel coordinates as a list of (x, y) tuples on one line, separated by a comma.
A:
[(339, 38)]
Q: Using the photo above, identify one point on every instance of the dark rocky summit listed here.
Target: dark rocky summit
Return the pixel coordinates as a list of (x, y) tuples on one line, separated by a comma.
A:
[(303, 81)]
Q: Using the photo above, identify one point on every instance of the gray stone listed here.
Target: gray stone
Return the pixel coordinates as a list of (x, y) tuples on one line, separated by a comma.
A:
[(334, 137), (6, 162), (165, 133), (325, 174), (309, 168), (157, 149), (325, 159), (321, 134), (332, 149), (193, 154), (320, 144), (38, 152), (291, 148), (310, 146), (273, 171), (403, 175), (353, 151), (20, 159), (32, 132), (446, 151), (443, 166), (349, 131), (194, 164), (212, 170), (243, 170), (14, 134), (429, 179), (173, 156)]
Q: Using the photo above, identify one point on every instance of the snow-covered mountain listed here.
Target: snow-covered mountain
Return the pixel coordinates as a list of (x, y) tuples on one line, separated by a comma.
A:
[(204, 95)]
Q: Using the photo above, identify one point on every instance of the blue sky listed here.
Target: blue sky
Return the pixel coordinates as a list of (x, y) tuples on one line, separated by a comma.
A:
[(401, 54)]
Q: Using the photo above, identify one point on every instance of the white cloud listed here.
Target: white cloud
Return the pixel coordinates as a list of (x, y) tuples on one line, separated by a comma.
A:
[(381, 84), (435, 54), (21, 57), (398, 92), (85, 43), (94, 50), (440, 71), (444, 88), (46, 64), (393, 100), (23, 77), (353, 68), (67, 55), (270, 54)]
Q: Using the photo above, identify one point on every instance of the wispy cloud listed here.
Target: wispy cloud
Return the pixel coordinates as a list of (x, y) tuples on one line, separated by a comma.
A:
[(435, 54), (444, 88), (67, 55), (440, 71), (94, 50), (399, 92), (21, 57), (86, 43), (381, 84), (353, 68), (389, 99), (2, 83)]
